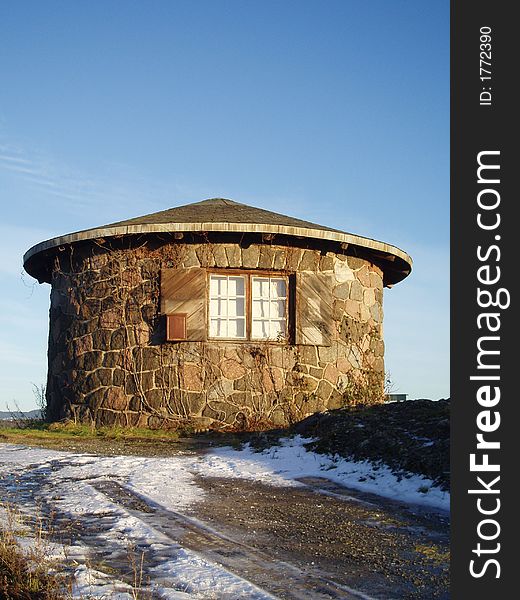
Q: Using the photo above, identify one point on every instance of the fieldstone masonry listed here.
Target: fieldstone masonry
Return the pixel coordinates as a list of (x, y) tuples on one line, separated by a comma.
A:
[(109, 363)]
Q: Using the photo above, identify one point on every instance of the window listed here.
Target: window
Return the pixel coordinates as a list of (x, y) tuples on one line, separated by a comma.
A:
[(227, 306), (269, 308), (222, 304), (248, 307)]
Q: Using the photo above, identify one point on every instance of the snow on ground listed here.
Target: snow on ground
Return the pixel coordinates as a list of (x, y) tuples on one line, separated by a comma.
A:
[(170, 482), (282, 465), (166, 481), (90, 583), (198, 576)]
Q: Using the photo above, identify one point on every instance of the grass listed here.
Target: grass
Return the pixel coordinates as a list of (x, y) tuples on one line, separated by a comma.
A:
[(23, 577), (19, 581), (26, 573), (112, 440), (82, 438), (41, 430), (34, 565)]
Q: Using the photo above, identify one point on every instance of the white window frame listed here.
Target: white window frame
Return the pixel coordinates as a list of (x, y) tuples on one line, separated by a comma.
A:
[(249, 277), (270, 300), (226, 299)]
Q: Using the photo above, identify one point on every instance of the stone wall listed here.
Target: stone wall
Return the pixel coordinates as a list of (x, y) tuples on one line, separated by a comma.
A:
[(109, 364)]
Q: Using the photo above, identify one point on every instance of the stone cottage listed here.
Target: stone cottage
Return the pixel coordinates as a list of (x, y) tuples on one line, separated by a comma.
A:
[(216, 313)]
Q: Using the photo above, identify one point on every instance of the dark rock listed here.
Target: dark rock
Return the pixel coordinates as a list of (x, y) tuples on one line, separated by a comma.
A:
[(118, 339), (155, 398), (89, 361), (101, 339)]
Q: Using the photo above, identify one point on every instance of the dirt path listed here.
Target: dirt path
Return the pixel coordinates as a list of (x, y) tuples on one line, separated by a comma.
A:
[(316, 541), (357, 540), (275, 575)]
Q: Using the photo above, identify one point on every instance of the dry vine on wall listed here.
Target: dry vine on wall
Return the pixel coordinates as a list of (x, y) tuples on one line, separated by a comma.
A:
[(108, 363)]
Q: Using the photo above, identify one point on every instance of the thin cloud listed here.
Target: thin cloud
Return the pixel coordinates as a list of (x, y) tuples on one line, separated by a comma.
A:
[(120, 191), (13, 159), (114, 195), (58, 180), (34, 169)]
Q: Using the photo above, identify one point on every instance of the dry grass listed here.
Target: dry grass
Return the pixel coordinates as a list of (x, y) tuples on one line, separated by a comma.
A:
[(27, 572), (32, 567), (82, 438), (114, 440), (68, 430)]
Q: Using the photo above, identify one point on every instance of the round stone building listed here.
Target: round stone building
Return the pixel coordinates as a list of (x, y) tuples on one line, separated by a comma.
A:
[(214, 313)]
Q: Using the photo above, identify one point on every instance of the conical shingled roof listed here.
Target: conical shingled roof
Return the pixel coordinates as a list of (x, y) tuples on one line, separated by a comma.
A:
[(219, 210), (227, 216)]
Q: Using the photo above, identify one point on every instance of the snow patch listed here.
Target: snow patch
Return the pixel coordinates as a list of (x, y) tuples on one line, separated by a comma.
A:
[(282, 465)]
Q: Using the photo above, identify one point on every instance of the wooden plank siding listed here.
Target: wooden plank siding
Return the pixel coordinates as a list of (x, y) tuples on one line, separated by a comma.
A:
[(309, 314), (314, 323), (184, 291)]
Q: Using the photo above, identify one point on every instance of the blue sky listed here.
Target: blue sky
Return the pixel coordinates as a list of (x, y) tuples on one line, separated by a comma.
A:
[(335, 112)]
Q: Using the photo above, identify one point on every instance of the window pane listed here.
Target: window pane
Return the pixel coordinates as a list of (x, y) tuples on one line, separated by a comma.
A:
[(277, 309), (260, 287), (218, 328), (278, 288), (218, 285), (213, 286), (217, 308), (237, 307), (260, 308), (260, 330), (277, 329), (236, 286), (236, 328), (257, 287)]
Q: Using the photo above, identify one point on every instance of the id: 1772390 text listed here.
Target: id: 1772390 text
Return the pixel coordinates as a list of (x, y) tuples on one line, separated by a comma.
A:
[(485, 66)]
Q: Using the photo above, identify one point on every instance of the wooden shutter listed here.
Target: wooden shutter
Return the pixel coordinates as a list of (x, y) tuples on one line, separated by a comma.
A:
[(314, 323), (184, 291)]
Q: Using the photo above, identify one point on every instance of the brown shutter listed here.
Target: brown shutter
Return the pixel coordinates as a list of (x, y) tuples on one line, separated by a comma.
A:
[(314, 323), (184, 291)]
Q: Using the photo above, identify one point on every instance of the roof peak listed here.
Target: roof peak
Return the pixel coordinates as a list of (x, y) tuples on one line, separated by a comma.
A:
[(214, 201), (219, 210)]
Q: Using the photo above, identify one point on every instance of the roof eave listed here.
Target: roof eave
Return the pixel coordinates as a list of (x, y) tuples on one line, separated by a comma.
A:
[(382, 249)]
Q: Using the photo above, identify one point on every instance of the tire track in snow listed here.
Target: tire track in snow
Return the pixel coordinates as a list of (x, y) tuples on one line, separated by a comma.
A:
[(284, 580), (165, 567)]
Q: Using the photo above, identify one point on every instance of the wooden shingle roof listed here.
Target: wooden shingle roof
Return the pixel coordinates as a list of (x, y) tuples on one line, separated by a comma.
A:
[(222, 215), (219, 210)]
